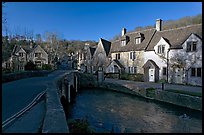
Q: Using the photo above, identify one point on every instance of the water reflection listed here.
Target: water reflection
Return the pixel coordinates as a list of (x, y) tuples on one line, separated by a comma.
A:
[(107, 111)]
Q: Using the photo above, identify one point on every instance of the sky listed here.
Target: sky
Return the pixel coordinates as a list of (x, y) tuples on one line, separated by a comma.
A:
[(92, 20)]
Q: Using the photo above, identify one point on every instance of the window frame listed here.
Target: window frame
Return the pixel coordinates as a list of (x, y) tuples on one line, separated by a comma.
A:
[(191, 46), (138, 40), (38, 53), (123, 42), (164, 71), (161, 49), (132, 55), (193, 72), (21, 54), (200, 72)]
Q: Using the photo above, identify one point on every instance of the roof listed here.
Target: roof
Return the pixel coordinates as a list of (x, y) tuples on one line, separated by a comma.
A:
[(92, 50), (147, 64), (119, 64), (130, 46), (176, 37), (106, 45)]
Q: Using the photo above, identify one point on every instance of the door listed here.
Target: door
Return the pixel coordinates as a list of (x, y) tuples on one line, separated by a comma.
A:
[(178, 75), (151, 75)]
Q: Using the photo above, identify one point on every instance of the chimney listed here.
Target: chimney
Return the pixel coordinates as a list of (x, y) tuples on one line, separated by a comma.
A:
[(31, 45), (159, 25), (123, 31)]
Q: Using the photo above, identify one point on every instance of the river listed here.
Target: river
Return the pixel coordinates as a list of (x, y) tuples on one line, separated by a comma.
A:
[(108, 110)]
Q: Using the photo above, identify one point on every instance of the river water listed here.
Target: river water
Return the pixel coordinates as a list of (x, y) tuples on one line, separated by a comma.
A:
[(123, 113)]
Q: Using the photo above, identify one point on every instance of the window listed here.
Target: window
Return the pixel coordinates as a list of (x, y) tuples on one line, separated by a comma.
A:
[(21, 54), (37, 54), (123, 42), (84, 56), (135, 70), (191, 46), (164, 70), (161, 49), (132, 55), (192, 71), (137, 40), (132, 70), (117, 56), (196, 72)]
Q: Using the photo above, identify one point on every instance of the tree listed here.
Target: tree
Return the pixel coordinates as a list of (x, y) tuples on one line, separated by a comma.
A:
[(38, 38)]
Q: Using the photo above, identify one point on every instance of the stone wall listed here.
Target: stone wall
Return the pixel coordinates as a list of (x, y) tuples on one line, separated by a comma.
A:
[(16, 76), (183, 100), (55, 119)]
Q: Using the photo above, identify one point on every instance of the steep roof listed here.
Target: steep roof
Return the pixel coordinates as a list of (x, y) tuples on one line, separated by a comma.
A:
[(175, 37), (107, 45), (130, 46), (119, 64), (92, 50), (150, 62)]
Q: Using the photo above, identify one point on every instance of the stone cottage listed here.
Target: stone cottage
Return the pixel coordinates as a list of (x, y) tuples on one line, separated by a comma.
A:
[(173, 55), (21, 55)]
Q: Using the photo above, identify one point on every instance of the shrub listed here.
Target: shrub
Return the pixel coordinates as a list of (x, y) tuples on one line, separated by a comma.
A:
[(151, 89), (46, 67), (150, 92), (30, 66), (134, 77), (79, 126), (162, 81), (6, 70)]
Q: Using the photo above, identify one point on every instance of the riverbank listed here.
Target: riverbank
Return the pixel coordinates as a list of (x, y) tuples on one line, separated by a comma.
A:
[(184, 100)]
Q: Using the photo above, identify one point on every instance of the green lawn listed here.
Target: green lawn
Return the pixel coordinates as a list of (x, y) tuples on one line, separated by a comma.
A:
[(185, 92)]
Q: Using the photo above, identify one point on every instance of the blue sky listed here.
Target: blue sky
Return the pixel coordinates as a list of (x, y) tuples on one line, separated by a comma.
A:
[(93, 20)]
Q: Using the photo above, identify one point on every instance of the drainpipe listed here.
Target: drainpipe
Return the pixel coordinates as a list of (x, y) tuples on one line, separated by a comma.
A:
[(167, 66)]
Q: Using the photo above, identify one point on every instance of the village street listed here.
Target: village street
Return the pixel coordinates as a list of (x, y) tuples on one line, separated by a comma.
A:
[(18, 94)]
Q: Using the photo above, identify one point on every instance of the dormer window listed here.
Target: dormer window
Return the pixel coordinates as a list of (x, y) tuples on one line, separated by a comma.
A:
[(138, 40), (123, 42), (191, 46), (161, 49)]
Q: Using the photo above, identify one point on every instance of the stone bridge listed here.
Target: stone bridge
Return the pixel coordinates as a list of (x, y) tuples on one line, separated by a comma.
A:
[(69, 87)]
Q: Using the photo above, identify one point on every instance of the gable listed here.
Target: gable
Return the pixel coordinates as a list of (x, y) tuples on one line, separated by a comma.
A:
[(39, 49), (175, 37), (103, 47), (192, 37), (162, 41)]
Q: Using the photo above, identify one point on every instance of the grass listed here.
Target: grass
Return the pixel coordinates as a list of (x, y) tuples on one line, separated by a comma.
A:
[(185, 92)]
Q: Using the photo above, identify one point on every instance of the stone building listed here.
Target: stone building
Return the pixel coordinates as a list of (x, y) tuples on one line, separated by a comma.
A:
[(174, 55), (21, 55)]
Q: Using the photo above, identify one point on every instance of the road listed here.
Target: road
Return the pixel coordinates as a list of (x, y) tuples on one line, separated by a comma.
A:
[(18, 94)]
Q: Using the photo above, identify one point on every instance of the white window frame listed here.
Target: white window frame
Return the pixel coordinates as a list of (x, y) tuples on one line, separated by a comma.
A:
[(137, 40), (132, 55), (123, 42), (161, 49), (132, 70)]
